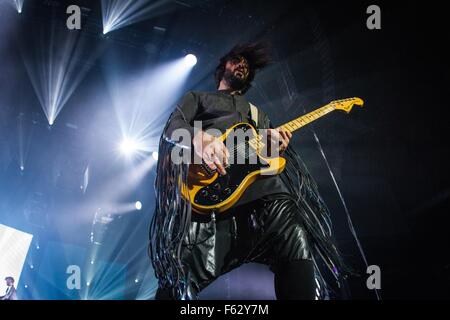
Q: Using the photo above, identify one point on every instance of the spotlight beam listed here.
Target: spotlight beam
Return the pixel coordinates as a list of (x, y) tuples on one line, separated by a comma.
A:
[(53, 69), (24, 140), (118, 13), (140, 116)]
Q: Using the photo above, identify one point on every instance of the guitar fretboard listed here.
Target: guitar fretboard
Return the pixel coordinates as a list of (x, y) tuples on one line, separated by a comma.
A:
[(296, 124), (307, 118)]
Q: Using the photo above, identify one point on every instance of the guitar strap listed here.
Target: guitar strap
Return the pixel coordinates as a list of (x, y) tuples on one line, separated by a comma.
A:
[(254, 114)]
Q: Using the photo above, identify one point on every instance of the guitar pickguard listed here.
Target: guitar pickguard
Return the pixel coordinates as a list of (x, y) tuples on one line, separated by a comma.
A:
[(223, 187)]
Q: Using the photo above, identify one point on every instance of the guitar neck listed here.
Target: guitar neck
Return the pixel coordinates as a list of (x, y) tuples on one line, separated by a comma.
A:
[(307, 118), (296, 124), (342, 104)]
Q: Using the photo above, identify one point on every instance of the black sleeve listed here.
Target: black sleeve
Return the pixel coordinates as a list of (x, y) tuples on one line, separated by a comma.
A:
[(183, 117)]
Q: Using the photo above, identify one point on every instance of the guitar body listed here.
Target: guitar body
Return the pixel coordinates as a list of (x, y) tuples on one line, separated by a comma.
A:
[(208, 191)]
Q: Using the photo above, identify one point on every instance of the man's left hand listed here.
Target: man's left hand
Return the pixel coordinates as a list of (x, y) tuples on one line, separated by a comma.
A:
[(280, 138)]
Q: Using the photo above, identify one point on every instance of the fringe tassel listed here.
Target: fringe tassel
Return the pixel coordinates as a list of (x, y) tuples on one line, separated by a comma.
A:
[(317, 219), (170, 222)]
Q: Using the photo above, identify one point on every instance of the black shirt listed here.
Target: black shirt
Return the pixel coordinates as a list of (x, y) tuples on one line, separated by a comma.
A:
[(221, 110)]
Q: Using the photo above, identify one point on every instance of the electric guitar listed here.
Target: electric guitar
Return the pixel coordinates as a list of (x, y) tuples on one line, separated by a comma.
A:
[(209, 191)]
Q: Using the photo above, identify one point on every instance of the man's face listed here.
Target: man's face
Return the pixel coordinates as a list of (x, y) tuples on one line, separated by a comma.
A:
[(238, 66), (9, 282), (236, 73)]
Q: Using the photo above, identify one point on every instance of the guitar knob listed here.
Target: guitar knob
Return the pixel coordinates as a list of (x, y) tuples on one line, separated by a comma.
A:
[(214, 197), (227, 191), (217, 186), (204, 192)]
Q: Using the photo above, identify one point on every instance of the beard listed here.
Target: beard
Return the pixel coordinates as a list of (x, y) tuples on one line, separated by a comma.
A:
[(234, 82)]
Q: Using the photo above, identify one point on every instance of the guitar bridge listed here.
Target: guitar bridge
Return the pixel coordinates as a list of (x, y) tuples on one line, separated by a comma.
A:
[(207, 169)]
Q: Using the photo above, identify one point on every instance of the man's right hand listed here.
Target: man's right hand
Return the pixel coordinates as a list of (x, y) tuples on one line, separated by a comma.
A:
[(212, 151)]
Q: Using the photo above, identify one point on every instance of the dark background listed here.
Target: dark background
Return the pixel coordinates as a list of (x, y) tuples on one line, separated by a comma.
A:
[(390, 158)]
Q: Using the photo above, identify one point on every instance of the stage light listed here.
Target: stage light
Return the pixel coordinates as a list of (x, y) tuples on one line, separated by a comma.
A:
[(22, 168), (136, 280), (106, 29), (88, 283), (31, 267), (155, 155), (190, 60), (128, 146), (92, 261), (19, 5), (138, 205)]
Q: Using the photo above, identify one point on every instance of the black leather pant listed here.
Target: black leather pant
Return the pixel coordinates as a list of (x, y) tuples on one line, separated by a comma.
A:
[(268, 231)]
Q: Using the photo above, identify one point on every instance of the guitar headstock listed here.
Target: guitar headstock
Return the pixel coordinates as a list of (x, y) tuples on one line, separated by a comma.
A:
[(346, 104)]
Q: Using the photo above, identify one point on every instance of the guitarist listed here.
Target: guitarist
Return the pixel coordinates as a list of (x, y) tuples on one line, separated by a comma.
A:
[(271, 223)]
